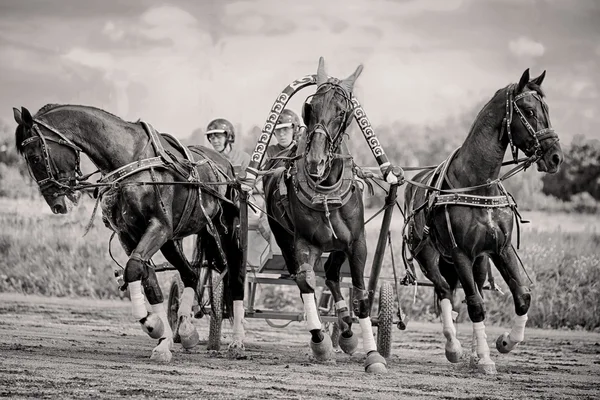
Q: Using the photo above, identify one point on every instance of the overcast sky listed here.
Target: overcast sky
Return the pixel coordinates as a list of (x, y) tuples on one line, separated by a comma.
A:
[(182, 63)]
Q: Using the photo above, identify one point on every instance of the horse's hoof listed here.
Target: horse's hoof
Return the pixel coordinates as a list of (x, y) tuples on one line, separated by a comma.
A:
[(348, 344), (153, 326), (375, 363), (188, 334), (162, 352), (322, 351), (488, 368), (503, 343), (453, 351), (236, 350)]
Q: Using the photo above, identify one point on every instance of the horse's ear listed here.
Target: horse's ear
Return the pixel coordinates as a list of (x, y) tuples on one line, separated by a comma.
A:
[(523, 81), (348, 83), (26, 117), (538, 81), (321, 74), (17, 115)]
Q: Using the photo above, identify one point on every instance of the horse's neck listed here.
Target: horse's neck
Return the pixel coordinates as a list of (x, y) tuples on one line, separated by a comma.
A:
[(107, 140), (479, 159)]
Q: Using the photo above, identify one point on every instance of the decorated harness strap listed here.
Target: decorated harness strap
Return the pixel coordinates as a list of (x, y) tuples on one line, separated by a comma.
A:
[(252, 171)]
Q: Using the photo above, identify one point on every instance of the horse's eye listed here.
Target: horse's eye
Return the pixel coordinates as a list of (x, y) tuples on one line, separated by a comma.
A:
[(531, 113), (36, 159)]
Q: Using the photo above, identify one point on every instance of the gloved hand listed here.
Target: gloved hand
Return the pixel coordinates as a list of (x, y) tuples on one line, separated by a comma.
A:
[(394, 175), (247, 185)]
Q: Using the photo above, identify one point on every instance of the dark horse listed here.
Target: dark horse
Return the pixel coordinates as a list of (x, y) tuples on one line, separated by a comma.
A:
[(320, 209), (146, 217), (452, 233)]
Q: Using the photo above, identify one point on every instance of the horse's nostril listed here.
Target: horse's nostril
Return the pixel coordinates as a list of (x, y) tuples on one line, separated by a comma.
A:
[(57, 209), (556, 159)]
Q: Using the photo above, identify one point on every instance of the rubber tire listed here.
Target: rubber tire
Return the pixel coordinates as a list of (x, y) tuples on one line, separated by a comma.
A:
[(386, 320), (216, 316), (175, 293)]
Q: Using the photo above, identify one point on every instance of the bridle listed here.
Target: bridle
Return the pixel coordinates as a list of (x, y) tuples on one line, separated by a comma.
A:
[(535, 152), (333, 142), (65, 185)]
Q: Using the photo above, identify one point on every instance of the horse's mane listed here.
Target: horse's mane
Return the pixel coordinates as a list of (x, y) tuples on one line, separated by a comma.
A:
[(21, 133), (51, 106)]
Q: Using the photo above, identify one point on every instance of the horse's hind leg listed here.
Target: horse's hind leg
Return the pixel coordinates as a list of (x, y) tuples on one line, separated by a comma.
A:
[(443, 276), (236, 277), (307, 255), (447, 285), (138, 272), (185, 328), (476, 309), (348, 341), (374, 362), (506, 262)]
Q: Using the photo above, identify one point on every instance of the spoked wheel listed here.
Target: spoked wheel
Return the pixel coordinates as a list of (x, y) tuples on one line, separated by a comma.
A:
[(386, 319), (216, 315), (333, 329), (173, 305)]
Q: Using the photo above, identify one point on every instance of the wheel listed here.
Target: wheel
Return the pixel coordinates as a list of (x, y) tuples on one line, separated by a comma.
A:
[(216, 315), (386, 319), (173, 305)]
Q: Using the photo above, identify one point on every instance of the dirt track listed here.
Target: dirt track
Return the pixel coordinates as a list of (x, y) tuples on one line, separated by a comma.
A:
[(57, 348)]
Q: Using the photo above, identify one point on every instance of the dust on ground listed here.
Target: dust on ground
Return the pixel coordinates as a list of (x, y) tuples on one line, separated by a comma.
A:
[(81, 348)]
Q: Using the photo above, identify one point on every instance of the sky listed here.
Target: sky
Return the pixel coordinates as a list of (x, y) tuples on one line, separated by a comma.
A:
[(180, 64)]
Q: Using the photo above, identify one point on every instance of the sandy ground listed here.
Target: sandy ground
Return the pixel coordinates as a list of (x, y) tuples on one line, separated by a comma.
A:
[(65, 348)]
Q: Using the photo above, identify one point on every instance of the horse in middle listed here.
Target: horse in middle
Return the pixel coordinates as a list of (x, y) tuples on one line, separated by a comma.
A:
[(316, 206)]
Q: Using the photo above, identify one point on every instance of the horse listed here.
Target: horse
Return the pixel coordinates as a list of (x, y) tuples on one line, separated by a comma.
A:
[(320, 208), (453, 228), (145, 203)]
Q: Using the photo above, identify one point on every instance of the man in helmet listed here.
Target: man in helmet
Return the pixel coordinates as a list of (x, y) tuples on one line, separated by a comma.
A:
[(286, 132), (221, 135)]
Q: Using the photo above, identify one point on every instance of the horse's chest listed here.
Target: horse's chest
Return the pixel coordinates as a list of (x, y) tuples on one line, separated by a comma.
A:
[(115, 214), (492, 227)]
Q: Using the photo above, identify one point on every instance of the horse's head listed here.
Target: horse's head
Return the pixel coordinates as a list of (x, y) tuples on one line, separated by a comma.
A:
[(532, 131), (326, 117), (53, 160)]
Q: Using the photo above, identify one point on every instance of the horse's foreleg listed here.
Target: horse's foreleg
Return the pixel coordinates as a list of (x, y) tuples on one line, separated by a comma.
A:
[(476, 309), (185, 328), (136, 271), (348, 341), (507, 264), (374, 362), (307, 255)]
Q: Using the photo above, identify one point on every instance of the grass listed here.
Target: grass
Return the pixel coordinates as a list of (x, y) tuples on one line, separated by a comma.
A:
[(46, 254)]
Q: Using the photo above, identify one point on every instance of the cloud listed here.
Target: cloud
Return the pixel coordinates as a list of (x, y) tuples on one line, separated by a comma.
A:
[(524, 46)]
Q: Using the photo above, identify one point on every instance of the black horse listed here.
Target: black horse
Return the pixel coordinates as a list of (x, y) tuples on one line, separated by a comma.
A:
[(146, 218), (320, 209), (452, 234)]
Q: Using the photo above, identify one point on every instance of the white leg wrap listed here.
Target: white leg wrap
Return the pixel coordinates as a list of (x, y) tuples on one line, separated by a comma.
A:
[(238, 318), (187, 299), (341, 304), (159, 309), (479, 338), (367, 334), (310, 308), (447, 325), (517, 333), (137, 300)]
